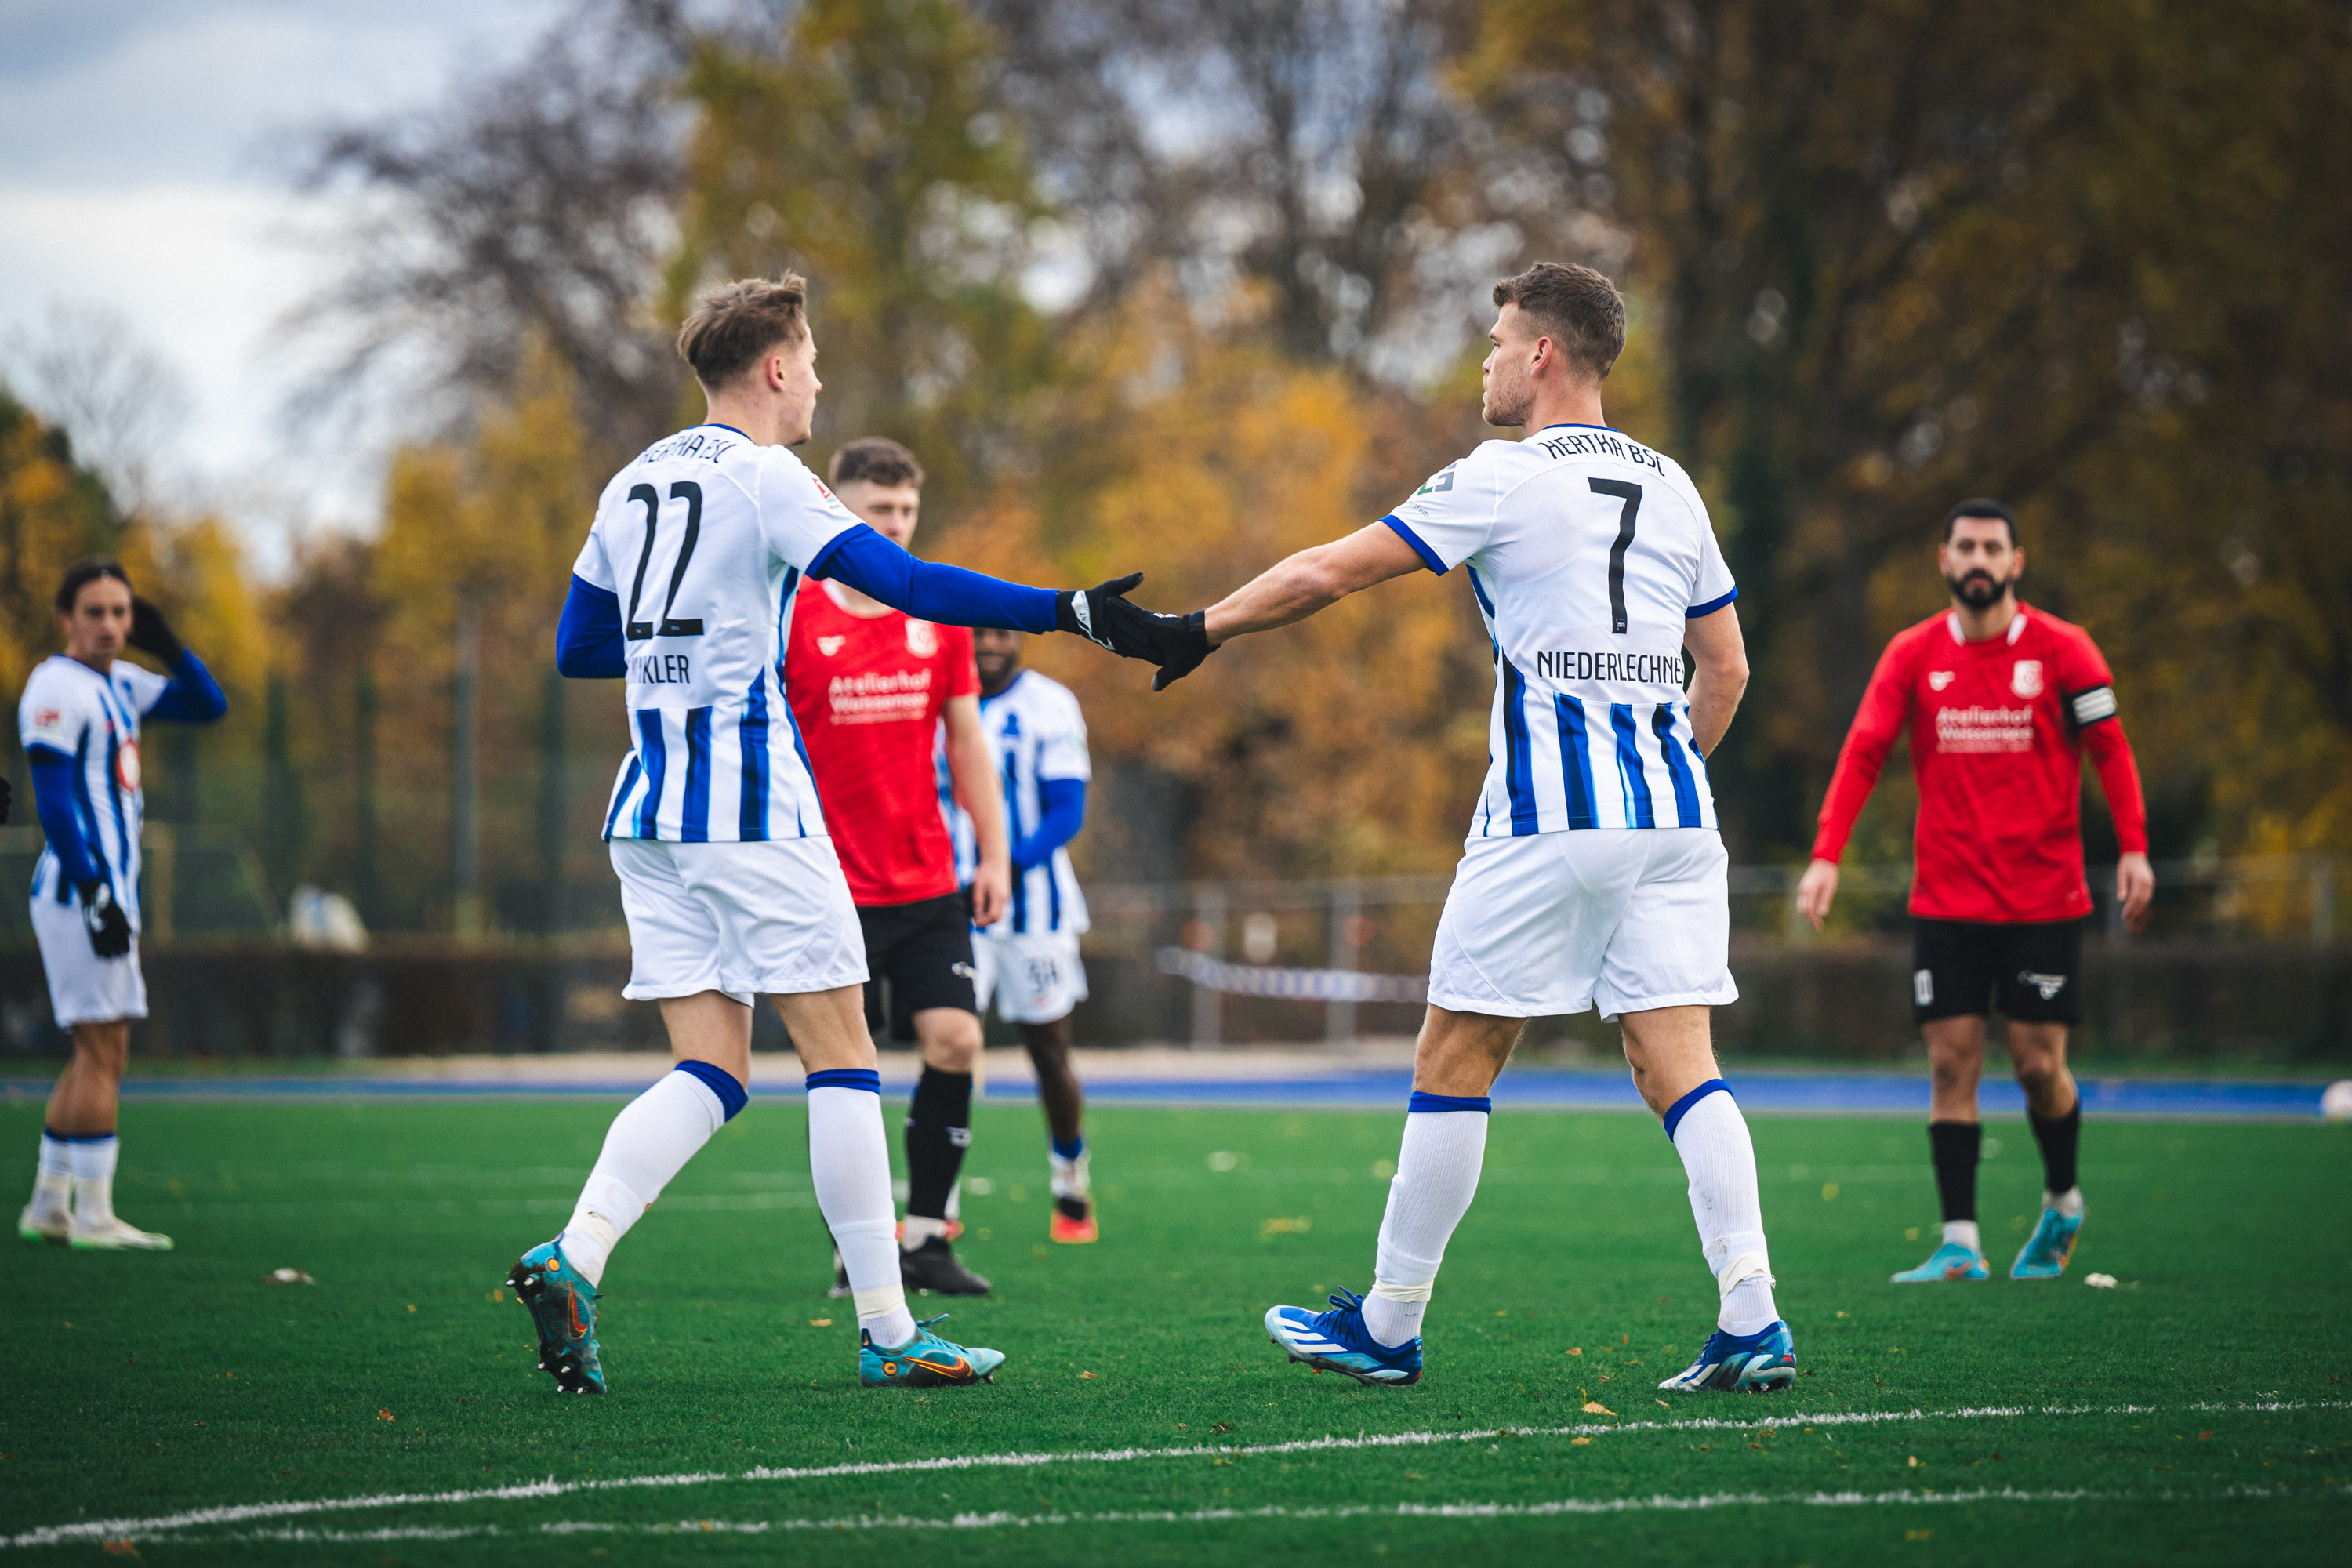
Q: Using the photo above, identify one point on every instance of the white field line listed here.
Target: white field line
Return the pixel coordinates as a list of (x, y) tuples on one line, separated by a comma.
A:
[(238, 1513), (999, 1521)]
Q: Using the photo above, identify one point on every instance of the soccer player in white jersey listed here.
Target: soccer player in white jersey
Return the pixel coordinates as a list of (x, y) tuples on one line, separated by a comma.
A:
[(728, 877), (80, 721), (1594, 874), (1028, 961)]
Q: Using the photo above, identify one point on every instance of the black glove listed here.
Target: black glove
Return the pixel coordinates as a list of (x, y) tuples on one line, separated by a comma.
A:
[(109, 928), (1102, 614), (7, 798), (151, 633)]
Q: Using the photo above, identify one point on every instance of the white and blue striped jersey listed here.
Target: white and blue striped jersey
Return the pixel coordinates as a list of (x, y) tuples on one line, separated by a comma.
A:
[(704, 539), (1588, 551), (93, 721), (1038, 733)]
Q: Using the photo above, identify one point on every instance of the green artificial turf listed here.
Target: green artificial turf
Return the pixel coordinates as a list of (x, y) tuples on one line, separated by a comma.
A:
[(145, 1386)]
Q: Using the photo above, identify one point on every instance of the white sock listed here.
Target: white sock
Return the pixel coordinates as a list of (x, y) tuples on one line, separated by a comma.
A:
[(2068, 1203), (1964, 1232), (92, 1160), (53, 1180), (919, 1229), (1067, 1178), (849, 1165), (1438, 1162), (1711, 1136), (649, 1143)]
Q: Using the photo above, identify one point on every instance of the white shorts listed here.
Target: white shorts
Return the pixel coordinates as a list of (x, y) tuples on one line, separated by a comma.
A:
[(1627, 919), (772, 918), (1036, 977), (83, 987)]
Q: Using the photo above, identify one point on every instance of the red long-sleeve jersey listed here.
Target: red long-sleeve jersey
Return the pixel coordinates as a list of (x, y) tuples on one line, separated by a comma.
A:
[(1997, 732)]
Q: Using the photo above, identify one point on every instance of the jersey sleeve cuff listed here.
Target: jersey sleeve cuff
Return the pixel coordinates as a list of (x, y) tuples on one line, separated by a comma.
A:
[(1696, 611), (823, 559), (1429, 557)]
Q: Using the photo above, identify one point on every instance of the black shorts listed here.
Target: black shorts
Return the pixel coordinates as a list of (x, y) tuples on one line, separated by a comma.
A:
[(2032, 972), (918, 957)]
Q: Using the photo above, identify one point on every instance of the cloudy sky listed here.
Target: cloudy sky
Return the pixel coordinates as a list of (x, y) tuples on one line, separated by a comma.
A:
[(144, 156)]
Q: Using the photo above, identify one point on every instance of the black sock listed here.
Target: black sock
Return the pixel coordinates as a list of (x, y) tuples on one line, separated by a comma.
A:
[(2059, 1139), (1955, 1146), (938, 1129)]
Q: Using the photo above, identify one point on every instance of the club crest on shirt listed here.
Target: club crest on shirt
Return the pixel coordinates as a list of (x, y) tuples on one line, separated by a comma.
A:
[(1940, 679), (830, 646), (922, 638), (2025, 677), (126, 767)]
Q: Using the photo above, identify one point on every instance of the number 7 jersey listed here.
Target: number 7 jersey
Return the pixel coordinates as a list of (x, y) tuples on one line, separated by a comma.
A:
[(704, 539), (1587, 552)]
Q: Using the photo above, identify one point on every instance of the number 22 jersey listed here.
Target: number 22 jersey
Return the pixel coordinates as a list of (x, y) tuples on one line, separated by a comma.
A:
[(1587, 552), (705, 539)]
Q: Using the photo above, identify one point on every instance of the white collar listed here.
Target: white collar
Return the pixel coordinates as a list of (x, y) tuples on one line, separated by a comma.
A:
[(2016, 626)]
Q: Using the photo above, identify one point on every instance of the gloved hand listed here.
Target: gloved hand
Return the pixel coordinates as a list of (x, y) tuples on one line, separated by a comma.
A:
[(151, 633), (1102, 614), (109, 928)]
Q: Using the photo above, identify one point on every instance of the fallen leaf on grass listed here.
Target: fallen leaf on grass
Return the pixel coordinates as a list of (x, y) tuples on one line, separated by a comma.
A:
[(384, 1416), (1577, 1351), (820, 1322), (2100, 1281), (1594, 1408), (1662, 1405), (1580, 1442), (1086, 1374), (118, 1549)]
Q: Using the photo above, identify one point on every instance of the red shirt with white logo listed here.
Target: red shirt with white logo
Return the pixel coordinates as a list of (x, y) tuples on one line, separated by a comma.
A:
[(868, 692), (1997, 732)]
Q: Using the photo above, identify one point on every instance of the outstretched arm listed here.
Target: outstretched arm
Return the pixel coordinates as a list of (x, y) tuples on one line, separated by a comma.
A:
[(1296, 587), (929, 591)]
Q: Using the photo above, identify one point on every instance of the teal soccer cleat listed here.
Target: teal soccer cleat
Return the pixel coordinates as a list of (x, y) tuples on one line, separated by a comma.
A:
[(1951, 1262), (2046, 1251), (1762, 1363), (1337, 1340), (926, 1361), (563, 1305)]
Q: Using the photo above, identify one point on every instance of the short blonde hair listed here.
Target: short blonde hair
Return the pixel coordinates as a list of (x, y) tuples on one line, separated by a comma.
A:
[(735, 324)]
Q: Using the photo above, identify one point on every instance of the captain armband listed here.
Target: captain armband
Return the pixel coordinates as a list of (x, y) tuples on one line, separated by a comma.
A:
[(2090, 707)]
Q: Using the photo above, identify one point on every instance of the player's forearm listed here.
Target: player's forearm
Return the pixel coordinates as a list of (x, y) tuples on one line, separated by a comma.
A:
[(929, 591), (2111, 754), (60, 823), (973, 770), (1062, 811), (1858, 767), (1285, 592), (1715, 696), (588, 641)]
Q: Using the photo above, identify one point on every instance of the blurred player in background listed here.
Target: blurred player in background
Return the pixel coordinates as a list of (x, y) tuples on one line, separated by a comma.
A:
[(80, 721), (871, 687), (2000, 702), (1594, 871), (686, 588), (1028, 961)]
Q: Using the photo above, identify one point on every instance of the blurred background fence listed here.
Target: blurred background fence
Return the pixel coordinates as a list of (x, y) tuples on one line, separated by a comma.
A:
[(2242, 963)]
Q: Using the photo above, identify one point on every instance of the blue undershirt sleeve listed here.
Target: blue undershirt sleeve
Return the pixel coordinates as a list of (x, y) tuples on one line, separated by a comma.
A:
[(193, 698), (1061, 812), (588, 642), (926, 590), (53, 800)]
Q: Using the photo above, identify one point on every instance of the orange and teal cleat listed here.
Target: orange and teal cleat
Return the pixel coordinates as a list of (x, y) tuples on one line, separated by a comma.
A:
[(2046, 1252), (563, 1306), (926, 1361), (1075, 1230)]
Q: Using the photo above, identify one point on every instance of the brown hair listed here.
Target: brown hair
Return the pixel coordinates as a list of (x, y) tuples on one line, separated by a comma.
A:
[(85, 571), (736, 324), (1576, 308), (877, 460)]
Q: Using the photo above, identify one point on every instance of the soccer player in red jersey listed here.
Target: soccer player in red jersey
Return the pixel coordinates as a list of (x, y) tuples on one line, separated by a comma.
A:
[(870, 687), (2000, 700)]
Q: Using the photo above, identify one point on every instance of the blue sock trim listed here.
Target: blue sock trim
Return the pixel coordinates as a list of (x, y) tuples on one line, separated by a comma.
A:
[(866, 1079), (731, 1095), (76, 1137), (1071, 1150), (1674, 1112), (1422, 1104)]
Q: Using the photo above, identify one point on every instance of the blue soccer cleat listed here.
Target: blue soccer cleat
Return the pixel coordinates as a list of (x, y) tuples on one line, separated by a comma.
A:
[(1949, 1261), (1337, 1340), (563, 1304), (1762, 1363), (2046, 1251), (926, 1361)]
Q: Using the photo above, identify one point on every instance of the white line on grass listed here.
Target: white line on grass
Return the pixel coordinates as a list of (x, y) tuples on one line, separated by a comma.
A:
[(238, 1513), (1000, 1519)]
